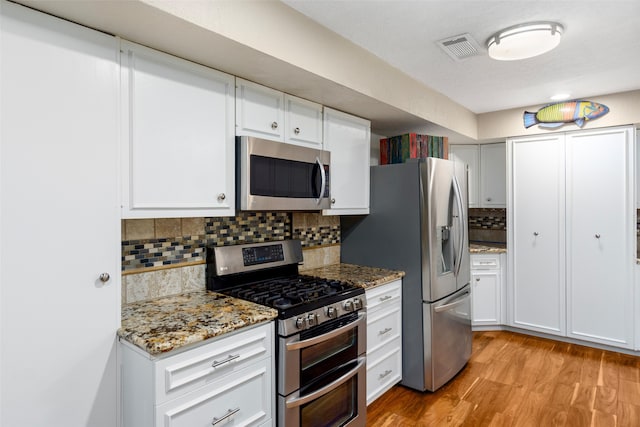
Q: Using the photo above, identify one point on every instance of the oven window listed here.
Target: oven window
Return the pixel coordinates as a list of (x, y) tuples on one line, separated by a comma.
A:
[(335, 408), (274, 177), (325, 358)]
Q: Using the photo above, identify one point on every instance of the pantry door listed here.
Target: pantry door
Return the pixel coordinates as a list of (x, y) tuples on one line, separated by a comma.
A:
[(59, 222)]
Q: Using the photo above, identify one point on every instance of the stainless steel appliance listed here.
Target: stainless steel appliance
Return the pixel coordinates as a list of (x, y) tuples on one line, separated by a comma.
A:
[(274, 175), (418, 223), (321, 328)]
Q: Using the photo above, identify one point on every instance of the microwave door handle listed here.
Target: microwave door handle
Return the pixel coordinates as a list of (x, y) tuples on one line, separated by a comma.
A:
[(323, 181), (299, 401), (461, 222)]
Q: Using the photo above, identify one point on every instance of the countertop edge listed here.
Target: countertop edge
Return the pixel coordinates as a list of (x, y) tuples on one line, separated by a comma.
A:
[(165, 325)]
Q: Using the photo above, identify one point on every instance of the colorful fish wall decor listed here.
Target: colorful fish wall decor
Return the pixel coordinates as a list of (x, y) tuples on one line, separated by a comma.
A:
[(556, 115)]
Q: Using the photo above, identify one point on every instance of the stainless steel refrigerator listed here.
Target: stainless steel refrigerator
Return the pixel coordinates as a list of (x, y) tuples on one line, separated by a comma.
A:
[(418, 224)]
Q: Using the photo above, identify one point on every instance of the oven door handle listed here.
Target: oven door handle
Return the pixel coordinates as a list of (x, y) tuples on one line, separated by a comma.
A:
[(299, 401), (295, 345)]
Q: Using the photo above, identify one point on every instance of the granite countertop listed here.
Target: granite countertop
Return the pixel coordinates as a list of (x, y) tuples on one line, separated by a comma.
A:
[(486, 247), (365, 277), (164, 324)]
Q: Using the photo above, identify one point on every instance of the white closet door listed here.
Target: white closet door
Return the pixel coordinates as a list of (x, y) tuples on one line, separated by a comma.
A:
[(536, 233), (60, 226), (600, 228)]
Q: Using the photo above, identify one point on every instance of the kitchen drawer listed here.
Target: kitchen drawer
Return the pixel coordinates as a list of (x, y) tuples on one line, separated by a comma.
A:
[(244, 398), (384, 369), (383, 326), (384, 295), (485, 262), (187, 371)]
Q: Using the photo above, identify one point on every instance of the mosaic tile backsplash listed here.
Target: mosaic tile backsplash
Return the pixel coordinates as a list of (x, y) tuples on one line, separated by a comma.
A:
[(488, 225), (153, 249), (156, 263)]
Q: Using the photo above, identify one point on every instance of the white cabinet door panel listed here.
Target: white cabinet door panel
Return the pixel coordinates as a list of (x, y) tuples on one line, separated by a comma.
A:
[(599, 258), (303, 122), (348, 139), (259, 111), (493, 180), (536, 242), (178, 141), (485, 298), (60, 228)]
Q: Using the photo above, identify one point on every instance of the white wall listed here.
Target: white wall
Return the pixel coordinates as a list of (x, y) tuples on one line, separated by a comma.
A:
[(624, 110)]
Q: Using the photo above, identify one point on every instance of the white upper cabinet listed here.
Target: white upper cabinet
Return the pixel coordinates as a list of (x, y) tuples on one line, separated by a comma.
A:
[(60, 228), (259, 111), (487, 173), (469, 155), (347, 138), (178, 141), (493, 175), (267, 113), (303, 122)]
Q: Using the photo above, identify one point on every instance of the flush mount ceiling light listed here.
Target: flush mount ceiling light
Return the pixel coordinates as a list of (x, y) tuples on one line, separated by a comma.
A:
[(524, 40)]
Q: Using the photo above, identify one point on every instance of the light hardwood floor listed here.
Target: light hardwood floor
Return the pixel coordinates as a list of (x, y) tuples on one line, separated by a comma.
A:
[(519, 380)]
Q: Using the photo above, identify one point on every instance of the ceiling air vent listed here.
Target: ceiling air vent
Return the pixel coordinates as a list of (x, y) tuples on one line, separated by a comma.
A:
[(460, 47)]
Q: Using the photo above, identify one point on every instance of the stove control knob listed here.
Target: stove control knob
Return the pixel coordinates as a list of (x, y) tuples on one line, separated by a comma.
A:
[(348, 305), (357, 303), (312, 319), (332, 313), (300, 323)]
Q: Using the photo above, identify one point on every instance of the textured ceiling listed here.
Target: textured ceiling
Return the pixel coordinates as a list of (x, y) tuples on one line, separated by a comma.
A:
[(599, 53)]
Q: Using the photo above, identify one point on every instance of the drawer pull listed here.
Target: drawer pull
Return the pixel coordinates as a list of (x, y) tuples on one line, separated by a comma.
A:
[(384, 374), (231, 357), (385, 331), (230, 413), (386, 297)]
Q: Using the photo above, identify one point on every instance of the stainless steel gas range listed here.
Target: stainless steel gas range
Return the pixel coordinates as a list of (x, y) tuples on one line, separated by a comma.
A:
[(321, 328)]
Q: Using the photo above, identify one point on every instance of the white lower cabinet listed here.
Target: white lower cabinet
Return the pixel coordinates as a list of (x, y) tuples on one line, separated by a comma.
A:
[(487, 289), (384, 338), (228, 381)]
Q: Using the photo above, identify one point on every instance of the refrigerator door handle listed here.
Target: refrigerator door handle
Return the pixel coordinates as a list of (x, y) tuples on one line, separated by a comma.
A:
[(458, 301), (461, 222)]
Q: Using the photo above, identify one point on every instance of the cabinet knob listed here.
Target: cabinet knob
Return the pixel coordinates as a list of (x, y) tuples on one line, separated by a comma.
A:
[(296, 131), (535, 233), (221, 197), (488, 199), (477, 279), (104, 277), (274, 125), (597, 236), (333, 201)]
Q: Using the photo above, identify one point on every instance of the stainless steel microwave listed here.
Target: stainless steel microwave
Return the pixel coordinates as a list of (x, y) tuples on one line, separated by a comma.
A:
[(278, 176)]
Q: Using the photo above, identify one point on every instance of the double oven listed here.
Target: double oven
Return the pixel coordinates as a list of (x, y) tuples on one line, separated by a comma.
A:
[(321, 328)]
